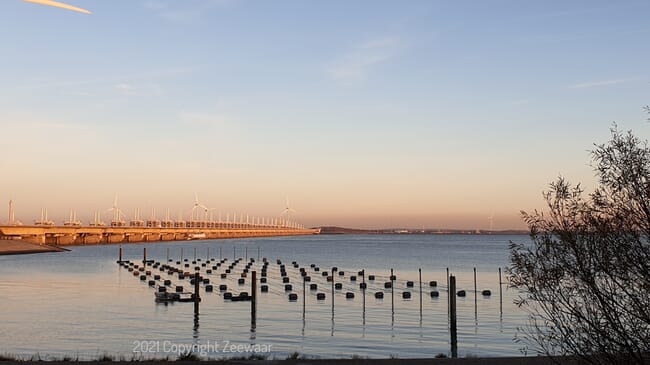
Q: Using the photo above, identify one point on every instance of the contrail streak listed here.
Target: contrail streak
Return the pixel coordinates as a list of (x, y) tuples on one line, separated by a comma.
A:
[(58, 5)]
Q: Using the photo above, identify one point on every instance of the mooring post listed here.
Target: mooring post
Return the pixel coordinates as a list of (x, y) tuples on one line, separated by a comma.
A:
[(304, 296), (220, 257), (452, 319), (208, 254), (233, 254), (500, 294), (144, 254), (333, 277), (258, 253), (194, 253), (246, 257), (197, 297), (392, 292), (475, 296), (254, 297), (363, 293), (420, 274), (120, 254), (448, 312), (167, 253), (181, 253)]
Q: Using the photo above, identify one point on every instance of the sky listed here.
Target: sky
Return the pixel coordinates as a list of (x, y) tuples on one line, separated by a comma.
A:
[(435, 114)]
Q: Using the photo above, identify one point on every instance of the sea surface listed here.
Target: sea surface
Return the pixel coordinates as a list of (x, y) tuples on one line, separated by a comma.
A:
[(82, 304)]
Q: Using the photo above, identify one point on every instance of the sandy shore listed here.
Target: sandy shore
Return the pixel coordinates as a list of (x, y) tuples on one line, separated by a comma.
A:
[(18, 247)]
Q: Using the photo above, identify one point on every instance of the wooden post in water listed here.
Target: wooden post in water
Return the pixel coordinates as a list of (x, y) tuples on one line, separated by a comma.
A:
[(167, 253), (208, 253), (392, 293), (420, 273), (234, 257), (452, 317), (220, 257), (194, 253), (333, 277), (120, 254), (500, 294), (363, 293), (246, 248), (181, 253), (197, 297), (448, 312), (304, 296), (144, 259), (254, 297), (475, 296), (258, 253)]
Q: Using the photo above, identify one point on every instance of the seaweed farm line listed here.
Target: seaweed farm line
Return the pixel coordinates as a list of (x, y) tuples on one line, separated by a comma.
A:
[(282, 295)]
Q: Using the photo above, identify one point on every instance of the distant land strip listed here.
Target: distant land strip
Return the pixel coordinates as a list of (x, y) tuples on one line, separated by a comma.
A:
[(343, 230)]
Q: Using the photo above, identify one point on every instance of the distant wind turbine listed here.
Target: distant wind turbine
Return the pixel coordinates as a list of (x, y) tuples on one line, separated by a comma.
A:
[(57, 4), (491, 220), (287, 210)]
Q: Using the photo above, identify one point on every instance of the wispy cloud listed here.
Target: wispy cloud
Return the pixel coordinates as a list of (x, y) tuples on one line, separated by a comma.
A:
[(356, 64), (124, 89), (590, 84)]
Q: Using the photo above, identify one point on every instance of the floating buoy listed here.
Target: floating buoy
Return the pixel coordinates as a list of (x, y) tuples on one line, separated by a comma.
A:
[(353, 278), (156, 277), (223, 287), (313, 287), (148, 273), (192, 281), (279, 262), (152, 283), (486, 292), (303, 273), (208, 271), (329, 278), (227, 271), (162, 289), (338, 286), (187, 265), (371, 277), (283, 273), (393, 277), (263, 274), (185, 260), (285, 280), (406, 295), (241, 281), (349, 295), (433, 283), (461, 293), (243, 275), (363, 286), (435, 294), (312, 265), (293, 297), (288, 287), (193, 262), (208, 288), (179, 289), (167, 282), (388, 285), (262, 280), (325, 274), (409, 284), (227, 295), (203, 265), (307, 278), (206, 281), (341, 273), (379, 295), (143, 277), (141, 269), (316, 269), (360, 273), (320, 296), (178, 262), (181, 276), (197, 268), (264, 288), (223, 276)]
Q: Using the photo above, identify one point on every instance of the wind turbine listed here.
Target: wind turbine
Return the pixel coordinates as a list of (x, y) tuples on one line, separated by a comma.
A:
[(117, 214), (57, 4), (491, 220), (287, 210), (199, 205)]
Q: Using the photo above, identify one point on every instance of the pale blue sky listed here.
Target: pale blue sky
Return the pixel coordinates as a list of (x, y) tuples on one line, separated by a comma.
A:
[(363, 113)]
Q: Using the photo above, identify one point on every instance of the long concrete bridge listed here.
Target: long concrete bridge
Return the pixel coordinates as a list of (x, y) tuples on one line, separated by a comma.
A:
[(81, 235)]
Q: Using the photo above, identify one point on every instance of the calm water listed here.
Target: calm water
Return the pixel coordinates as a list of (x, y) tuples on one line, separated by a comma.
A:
[(81, 303)]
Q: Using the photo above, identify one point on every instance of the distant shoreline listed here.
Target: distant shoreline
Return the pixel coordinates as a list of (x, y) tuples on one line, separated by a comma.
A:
[(344, 230)]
